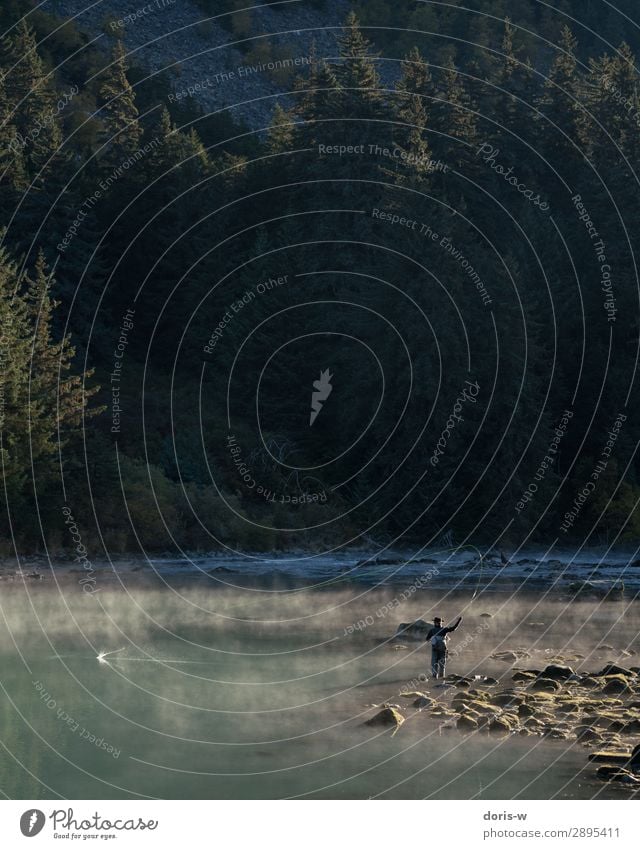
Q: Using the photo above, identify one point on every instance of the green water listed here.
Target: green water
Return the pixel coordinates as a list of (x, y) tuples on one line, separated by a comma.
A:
[(245, 694)]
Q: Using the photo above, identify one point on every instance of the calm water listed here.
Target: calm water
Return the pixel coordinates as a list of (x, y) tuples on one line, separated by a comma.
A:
[(221, 693)]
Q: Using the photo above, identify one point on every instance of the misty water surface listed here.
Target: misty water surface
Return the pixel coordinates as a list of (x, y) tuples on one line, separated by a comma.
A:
[(249, 693)]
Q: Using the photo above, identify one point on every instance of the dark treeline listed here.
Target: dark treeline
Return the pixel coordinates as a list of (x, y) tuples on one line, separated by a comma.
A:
[(170, 279)]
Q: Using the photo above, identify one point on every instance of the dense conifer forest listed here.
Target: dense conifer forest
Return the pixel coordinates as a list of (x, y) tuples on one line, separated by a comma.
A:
[(443, 215)]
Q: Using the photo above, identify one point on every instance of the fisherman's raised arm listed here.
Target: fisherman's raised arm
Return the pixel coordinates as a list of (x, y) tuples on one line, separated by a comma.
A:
[(453, 627)]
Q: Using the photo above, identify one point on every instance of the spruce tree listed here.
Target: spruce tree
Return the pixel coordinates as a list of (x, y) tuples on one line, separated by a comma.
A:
[(31, 98), (357, 73), (558, 104), (13, 176), (122, 131), (281, 132), (413, 103)]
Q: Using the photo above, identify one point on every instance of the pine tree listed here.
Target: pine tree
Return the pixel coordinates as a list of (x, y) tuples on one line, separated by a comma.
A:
[(14, 358), (557, 103), (281, 132), (611, 95), (462, 123), (318, 106), (357, 73), (411, 137), (31, 97), (122, 130), (13, 176), (57, 397)]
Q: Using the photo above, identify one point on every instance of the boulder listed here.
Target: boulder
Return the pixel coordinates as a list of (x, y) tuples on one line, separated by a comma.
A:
[(477, 694), (617, 758), (533, 723), (423, 702), (525, 710), (505, 656), (589, 681), (477, 707), (526, 675), (545, 685), (614, 669), (466, 723), (615, 684), (585, 733), (557, 672), (506, 699), (553, 733), (631, 727), (499, 725), (417, 630), (511, 655), (614, 773), (568, 707), (388, 716)]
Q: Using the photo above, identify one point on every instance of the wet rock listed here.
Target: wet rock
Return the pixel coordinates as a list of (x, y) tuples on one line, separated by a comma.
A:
[(604, 647), (590, 682), (479, 694), (388, 716), (525, 710), (615, 684), (442, 711), (614, 669), (487, 615), (413, 694), (631, 727), (423, 702), (505, 656), (557, 673), (466, 723), (477, 707), (506, 699), (499, 725), (555, 733), (545, 685), (526, 675), (417, 630), (568, 707), (616, 758), (586, 734), (613, 773)]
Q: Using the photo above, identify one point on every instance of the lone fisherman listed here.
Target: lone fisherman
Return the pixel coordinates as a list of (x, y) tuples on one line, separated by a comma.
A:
[(437, 636)]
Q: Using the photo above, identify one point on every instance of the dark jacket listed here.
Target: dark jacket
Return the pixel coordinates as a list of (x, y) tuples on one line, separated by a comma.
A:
[(441, 631)]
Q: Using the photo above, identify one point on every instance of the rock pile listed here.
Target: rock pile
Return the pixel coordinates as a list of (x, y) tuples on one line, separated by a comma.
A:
[(598, 710)]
